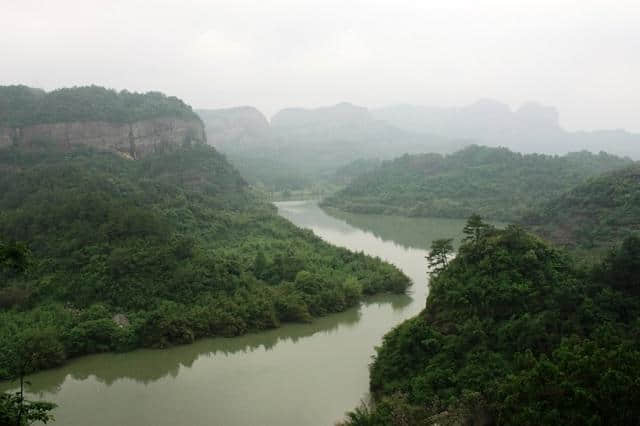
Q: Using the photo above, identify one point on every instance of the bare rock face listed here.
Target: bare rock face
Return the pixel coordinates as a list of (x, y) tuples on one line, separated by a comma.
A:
[(133, 140), (235, 128), (121, 320)]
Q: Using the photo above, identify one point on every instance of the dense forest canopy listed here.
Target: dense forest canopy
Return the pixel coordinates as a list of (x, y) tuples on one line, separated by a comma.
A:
[(595, 214), (23, 106), (156, 252), (494, 182), (514, 333)]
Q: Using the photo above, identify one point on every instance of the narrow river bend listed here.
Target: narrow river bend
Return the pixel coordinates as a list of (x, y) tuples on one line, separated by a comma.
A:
[(299, 374)]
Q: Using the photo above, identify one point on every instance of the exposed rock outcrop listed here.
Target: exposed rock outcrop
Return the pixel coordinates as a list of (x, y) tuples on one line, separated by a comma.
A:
[(237, 128), (130, 139)]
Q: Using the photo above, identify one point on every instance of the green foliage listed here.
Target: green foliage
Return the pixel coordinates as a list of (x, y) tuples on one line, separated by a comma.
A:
[(173, 242), (30, 349), (514, 333), (474, 229), (593, 216), (438, 256), (15, 410), (23, 106), (493, 182), (13, 257)]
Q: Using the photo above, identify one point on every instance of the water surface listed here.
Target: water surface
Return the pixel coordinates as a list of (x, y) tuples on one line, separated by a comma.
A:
[(299, 374)]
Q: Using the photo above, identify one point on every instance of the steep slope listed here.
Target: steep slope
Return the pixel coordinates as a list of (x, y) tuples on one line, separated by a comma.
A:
[(153, 252), (235, 129), (530, 128), (493, 182), (131, 124), (513, 334), (595, 215)]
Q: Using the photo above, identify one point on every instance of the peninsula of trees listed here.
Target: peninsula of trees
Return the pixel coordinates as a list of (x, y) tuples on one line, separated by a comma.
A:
[(153, 252), (514, 333)]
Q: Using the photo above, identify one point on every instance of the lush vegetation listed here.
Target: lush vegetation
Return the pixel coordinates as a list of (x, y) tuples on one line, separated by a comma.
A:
[(594, 215), (494, 182), (15, 409), (156, 252), (23, 106), (514, 334)]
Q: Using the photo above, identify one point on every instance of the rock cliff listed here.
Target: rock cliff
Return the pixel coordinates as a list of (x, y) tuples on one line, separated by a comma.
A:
[(235, 128), (133, 140)]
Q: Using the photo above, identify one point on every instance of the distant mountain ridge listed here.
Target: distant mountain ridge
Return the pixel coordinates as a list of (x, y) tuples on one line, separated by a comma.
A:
[(235, 128), (530, 128), (343, 113), (308, 145), (406, 128)]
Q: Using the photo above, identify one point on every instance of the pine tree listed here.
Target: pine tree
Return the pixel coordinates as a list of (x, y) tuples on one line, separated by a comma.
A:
[(438, 257)]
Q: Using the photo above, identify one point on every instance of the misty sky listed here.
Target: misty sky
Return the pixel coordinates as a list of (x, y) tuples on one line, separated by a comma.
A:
[(581, 56)]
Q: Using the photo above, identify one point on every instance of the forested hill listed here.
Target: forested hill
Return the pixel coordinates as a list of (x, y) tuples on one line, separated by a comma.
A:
[(595, 215), (514, 334), (493, 182), (23, 106), (154, 252), (131, 124)]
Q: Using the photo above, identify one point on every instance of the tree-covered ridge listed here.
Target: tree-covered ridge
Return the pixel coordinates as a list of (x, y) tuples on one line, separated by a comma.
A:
[(494, 182), (514, 334), (23, 106), (595, 215), (175, 243)]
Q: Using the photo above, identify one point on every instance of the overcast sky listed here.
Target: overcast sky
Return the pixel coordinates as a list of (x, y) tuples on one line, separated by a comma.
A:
[(581, 56)]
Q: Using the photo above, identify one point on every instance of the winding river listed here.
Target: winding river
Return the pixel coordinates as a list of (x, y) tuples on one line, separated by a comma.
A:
[(299, 374)]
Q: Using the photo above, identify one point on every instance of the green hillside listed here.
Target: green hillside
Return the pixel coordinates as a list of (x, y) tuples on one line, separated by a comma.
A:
[(175, 242), (22, 106), (494, 182), (595, 215), (514, 334)]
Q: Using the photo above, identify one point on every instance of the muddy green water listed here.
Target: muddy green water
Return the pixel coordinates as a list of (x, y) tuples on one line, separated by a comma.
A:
[(299, 374)]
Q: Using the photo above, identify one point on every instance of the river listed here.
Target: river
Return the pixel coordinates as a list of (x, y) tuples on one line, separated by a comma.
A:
[(299, 374)]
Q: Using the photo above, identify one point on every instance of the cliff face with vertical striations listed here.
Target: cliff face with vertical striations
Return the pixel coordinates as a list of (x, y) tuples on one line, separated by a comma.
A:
[(134, 140), (132, 124)]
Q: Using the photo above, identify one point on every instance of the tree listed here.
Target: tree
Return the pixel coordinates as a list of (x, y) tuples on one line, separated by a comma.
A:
[(474, 229), (438, 257), (260, 265), (14, 408), (14, 257)]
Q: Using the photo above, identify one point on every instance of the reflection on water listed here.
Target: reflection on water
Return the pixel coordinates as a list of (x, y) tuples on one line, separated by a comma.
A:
[(147, 365), (414, 232), (299, 374)]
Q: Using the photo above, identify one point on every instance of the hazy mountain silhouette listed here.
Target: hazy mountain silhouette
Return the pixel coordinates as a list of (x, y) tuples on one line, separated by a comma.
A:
[(530, 128)]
